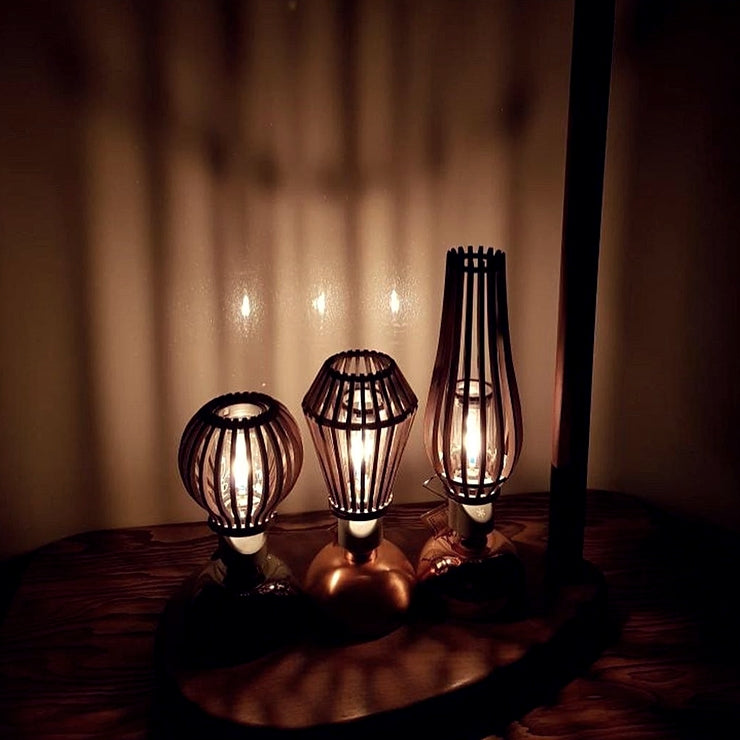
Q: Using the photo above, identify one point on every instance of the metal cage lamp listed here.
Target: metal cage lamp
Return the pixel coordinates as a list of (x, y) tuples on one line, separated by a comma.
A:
[(359, 411), (472, 423), (239, 457)]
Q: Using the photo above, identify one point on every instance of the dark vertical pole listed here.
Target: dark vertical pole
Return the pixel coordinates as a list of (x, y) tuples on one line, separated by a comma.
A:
[(593, 29)]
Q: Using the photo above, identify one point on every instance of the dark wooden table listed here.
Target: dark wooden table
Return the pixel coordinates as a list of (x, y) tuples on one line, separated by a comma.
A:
[(77, 645)]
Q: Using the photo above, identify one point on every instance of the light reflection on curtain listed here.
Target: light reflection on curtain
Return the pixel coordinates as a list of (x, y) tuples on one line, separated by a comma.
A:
[(261, 184)]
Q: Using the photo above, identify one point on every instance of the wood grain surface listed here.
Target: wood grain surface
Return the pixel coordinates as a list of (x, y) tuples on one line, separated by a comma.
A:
[(427, 673), (77, 645)]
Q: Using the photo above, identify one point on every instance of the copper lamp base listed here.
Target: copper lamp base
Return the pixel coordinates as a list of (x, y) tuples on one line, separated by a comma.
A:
[(360, 595)]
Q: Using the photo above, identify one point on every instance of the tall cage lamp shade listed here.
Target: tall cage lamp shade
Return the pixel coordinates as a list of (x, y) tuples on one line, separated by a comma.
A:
[(472, 422), (239, 457), (359, 410)]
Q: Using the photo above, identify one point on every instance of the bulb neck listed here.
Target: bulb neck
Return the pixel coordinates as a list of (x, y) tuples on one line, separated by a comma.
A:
[(245, 559), (248, 545), (360, 538), (471, 523)]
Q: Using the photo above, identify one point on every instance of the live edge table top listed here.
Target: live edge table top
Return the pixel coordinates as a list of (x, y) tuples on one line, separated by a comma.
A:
[(77, 644)]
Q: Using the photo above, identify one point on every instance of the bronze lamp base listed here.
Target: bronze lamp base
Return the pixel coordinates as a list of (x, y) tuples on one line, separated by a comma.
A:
[(360, 594)]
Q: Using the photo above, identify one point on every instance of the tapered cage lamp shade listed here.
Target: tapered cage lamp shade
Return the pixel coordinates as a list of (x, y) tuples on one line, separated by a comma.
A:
[(239, 457), (359, 411), (472, 421)]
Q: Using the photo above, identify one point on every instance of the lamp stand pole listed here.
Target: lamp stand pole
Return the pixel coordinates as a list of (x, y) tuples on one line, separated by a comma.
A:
[(593, 29)]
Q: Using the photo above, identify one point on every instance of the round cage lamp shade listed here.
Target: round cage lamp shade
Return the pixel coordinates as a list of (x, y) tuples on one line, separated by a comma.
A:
[(359, 410), (239, 457), (472, 423)]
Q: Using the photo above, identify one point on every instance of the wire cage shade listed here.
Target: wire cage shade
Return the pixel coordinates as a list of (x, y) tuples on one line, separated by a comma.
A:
[(359, 411), (472, 421), (240, 456)]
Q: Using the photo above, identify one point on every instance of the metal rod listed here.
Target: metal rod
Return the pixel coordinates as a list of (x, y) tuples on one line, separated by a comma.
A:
[(593, 30)]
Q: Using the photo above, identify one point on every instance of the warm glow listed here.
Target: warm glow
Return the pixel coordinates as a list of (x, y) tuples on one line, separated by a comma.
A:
[(246, 307), (362, 444), (362, 529), (319, 303), (468, 450), (248, 545), (472, 442), (240, 470), (394, 302), (241, 465)]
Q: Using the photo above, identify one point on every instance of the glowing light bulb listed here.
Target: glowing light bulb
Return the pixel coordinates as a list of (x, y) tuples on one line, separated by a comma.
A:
[(246, 307), (241, 465), (361, 450), (394, 302), (241, 470), (472, 442), (471, 445)]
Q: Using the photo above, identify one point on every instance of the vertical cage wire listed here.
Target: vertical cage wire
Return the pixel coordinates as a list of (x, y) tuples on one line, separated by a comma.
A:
[(472, 422), (359, 410), (239, 457)]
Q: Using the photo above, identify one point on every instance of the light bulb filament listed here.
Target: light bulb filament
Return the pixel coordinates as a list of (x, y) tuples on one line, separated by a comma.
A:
[(472, 442), (241, 470), (361, 451)]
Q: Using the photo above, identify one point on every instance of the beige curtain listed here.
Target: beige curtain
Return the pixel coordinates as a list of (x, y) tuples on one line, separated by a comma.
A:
[(202, 196)]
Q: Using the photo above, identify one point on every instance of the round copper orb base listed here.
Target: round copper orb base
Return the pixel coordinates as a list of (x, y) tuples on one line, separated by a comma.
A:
[(360, 597)]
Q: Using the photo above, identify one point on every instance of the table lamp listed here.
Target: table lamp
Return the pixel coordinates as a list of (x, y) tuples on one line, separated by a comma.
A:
[(472, 435), (359, 411), (239, 457)]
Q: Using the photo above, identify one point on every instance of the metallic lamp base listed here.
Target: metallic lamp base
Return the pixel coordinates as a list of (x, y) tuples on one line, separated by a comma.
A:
[(239, 607), (360, 598), (476, 577)]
